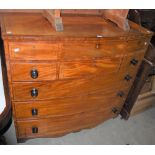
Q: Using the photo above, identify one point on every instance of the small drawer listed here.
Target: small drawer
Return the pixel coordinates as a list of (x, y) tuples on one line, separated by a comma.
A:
[(90, 50), (34, 51), (56, 126), (69, 106), (93, 68), (33, 71)]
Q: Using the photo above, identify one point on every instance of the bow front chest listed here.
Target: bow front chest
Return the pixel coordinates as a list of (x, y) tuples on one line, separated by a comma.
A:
[(61, 82)]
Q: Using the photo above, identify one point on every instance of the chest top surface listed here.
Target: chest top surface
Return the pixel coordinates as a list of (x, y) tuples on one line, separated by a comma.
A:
[(30, 25)]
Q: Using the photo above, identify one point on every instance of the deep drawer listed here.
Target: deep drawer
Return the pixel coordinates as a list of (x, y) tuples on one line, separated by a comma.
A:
[(59, 126), (68, 88), (132, 61), (33, 71), (68, 106)]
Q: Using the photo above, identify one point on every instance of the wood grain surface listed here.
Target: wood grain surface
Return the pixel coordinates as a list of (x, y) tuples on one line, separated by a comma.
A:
[(22, 71), (33, 51), (68, 106), (61, 125), (67, 88)]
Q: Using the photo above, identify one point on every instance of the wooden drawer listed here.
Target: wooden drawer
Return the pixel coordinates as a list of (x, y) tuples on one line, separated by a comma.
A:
[(101, 48), (34, 51), (90, 50), (136, 45), (89, 68), (58, 126), (68, 106), (132, 61), (67, 88), (33, 71)]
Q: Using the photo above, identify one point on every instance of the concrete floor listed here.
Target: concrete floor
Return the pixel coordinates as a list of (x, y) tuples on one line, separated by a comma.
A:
[(139, 129)]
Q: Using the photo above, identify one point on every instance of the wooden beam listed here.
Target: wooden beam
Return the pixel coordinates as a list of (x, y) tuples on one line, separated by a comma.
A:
[(118, 16), (53, 16), (81, 11)]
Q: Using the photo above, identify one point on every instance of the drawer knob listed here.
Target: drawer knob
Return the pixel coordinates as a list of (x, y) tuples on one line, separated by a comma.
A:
[(120, 94), (134, 62), (34, 112), (34, 130), (34, 92), (127, 77), (34, 73), (115, 110)]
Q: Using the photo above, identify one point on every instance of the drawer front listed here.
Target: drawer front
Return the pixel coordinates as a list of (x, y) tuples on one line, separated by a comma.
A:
[(62, 125), (94, 68), (136, 45), (69, 106), (34, 51), (131, 62), (33, 71), (66, 88), (90, 50)]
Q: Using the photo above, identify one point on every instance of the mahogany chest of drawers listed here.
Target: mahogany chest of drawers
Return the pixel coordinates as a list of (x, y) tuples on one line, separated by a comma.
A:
[(62, 82)]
